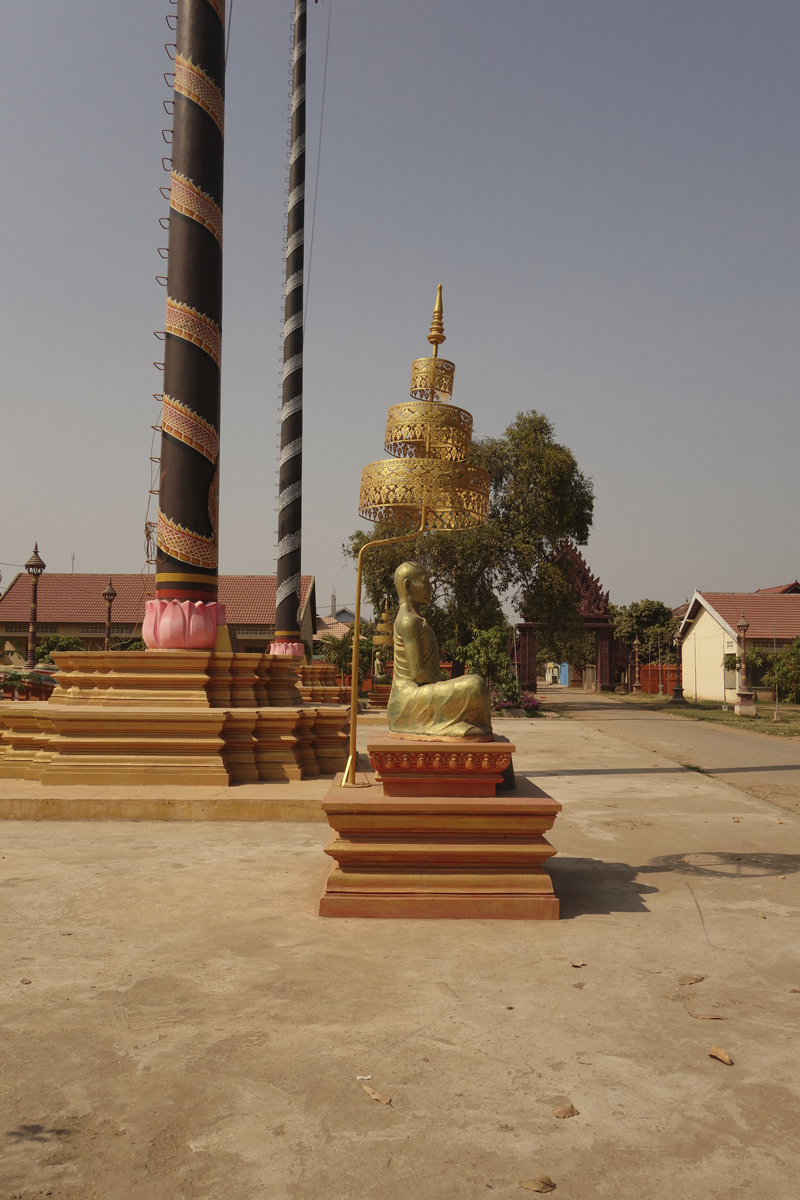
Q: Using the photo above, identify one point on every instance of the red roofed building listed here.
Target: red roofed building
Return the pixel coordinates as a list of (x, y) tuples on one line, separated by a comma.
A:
[(709, 632), (332, 626), (73, 606), (785, 589)]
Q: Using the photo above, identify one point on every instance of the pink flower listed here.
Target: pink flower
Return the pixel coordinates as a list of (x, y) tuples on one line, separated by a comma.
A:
[(181, 624)]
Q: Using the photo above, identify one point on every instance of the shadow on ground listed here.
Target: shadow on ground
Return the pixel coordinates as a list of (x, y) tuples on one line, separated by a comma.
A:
[(36, 1133), (594, 706), (678, 770), (588, 886), (723, 864)]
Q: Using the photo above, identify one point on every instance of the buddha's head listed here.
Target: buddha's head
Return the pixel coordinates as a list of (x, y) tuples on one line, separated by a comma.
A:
[(412, 583)]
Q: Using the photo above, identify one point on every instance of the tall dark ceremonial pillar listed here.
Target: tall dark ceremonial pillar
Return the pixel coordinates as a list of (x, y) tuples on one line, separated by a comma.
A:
[(287, 616), (186, 561)]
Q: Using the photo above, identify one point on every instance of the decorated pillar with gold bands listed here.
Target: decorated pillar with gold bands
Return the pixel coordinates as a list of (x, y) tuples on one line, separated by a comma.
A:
[(290, 499), (186, 561)]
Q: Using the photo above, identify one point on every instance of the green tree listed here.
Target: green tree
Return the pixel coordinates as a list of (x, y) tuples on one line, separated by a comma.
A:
[(653, 623), (784, 672), (538, 498), (464, 575), (488, 654), (54, 641), (553, 603), (339, 651)]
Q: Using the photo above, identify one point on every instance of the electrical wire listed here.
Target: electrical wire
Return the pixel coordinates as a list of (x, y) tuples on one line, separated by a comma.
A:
[(319, 155)]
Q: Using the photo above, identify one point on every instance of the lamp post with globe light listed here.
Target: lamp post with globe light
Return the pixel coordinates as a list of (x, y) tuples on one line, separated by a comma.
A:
[(745, 700), (637, 684), (109, 595), (34, 566), (677, 692)]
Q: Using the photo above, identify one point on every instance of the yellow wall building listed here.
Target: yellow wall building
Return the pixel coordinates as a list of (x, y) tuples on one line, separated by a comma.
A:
[(710, 631)]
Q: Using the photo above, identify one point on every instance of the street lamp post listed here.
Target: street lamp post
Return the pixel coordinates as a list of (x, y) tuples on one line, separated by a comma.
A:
[(746, 706), (637, 686), (677, 692), (34, 566), (109, 595)]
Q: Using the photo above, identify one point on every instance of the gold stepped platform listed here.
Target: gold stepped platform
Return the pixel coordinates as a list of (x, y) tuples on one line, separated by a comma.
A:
[(175, 717)]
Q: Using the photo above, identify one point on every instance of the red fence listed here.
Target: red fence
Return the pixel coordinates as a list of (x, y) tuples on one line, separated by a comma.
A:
[(650, 677)]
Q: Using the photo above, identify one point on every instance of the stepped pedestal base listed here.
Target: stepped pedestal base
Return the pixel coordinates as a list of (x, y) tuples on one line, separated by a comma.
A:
[(418, 907), (429, 853), (161, 717)]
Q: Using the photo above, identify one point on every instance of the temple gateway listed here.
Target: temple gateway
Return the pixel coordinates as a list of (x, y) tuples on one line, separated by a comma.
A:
[(612, 663)]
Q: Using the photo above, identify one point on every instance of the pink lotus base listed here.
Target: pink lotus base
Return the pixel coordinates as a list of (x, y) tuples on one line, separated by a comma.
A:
[(181, 624), (292, 649)]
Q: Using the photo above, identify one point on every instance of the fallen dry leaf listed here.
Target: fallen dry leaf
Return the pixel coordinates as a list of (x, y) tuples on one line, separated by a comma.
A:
[(579, 963), (707, 1016), (690, 979), (376, 1095), (541, 1184), (736, 819), (566, 1110), (715, 1052), (794, 989)]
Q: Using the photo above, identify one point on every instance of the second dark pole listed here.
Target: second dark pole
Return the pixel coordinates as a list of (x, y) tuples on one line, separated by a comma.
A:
[(290, 485)]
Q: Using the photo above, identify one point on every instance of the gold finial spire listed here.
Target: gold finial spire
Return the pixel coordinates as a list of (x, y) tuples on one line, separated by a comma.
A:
[(436, 335)]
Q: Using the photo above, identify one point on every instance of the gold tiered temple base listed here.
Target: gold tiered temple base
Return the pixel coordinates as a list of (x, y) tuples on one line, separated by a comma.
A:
[(174, 717), (434, 837)]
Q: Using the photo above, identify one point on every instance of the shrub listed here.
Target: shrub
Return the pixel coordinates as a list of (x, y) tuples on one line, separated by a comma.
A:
[(785, 674), (54, 641), (510, 696)]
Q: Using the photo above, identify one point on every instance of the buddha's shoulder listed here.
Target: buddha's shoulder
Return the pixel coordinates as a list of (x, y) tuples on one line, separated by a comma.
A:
[(407, 622)]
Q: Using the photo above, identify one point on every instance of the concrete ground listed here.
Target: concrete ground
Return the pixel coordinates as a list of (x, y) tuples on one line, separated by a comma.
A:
[(764, 766), (192, 1029)]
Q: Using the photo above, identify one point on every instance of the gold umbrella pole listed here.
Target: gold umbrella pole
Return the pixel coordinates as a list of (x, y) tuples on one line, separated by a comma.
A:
[(349, 777)]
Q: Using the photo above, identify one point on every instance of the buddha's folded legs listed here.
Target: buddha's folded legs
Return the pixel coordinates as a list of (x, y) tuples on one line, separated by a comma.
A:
[(453, 708)]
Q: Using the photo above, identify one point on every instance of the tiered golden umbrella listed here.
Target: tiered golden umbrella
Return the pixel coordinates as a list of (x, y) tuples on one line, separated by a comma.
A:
[(428, 484), (384, 629)]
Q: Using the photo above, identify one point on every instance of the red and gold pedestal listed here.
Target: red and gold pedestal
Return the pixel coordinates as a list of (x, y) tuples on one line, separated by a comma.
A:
[(434, 836), (171, 717)]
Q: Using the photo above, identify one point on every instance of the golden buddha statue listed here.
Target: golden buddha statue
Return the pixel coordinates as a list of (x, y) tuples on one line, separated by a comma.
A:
[(420, 704)]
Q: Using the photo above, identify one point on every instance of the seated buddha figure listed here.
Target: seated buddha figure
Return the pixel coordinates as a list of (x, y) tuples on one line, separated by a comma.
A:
[(421, 704)]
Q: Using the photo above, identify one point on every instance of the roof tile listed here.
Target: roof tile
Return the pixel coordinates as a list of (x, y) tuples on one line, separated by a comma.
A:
[(769, 614), (78, 599)]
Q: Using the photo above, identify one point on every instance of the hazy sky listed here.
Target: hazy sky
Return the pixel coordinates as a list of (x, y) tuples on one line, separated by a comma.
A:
[(608, 191)]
